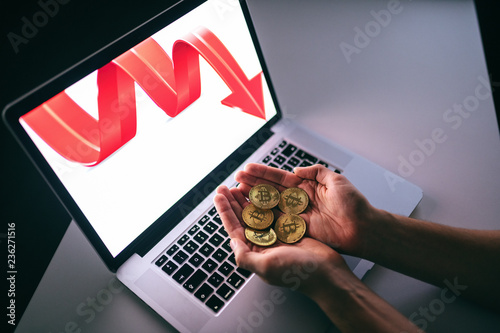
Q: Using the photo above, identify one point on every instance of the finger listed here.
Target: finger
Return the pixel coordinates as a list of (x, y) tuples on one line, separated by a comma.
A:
[(254, 174), (233, 202), (316, 172), (227, 214), (244, 188), (239, 196)]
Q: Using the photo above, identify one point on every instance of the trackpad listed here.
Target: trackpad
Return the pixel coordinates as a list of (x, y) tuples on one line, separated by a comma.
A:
[(172, 301)]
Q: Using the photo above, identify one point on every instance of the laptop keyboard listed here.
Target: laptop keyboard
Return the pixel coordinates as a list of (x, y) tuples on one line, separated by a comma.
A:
[(202, 261)]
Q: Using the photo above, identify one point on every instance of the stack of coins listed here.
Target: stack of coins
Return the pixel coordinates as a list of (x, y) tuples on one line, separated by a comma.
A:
[(259, 217)]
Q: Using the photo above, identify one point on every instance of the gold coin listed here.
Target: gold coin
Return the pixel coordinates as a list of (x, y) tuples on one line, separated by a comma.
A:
[(261, 237), (290, 228), (264, 196), (293, 200), (257, 218)]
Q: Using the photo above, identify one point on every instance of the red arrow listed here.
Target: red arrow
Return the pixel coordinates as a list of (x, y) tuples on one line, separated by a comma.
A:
[(173, 86), (246, 94)]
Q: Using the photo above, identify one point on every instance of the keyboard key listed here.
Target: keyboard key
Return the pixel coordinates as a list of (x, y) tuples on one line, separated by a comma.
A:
[(323, 163), (223, 231), (215, 303), (289, 150), (235, 280), (215, 279), (293, 162), (206, 250), (195, 280), (275, 151), (191, 247), (209, 265), (337, 171), (169, 267), (172, 250), (266, 159), (282, 144), (287, 168), (219, 255), (225, 291), (183, 240), (217, 219), (232, 259), (279, 159), (226, 246), (273, 165), (180, 257), (196, 260), (305, 156), (212, 211), (243, 272), (193, 229), (203, 293), (183, 273), (226, 268), (216, 239), (305, 164), (211, 227), (200, 237), (204, 220), (161, 261)]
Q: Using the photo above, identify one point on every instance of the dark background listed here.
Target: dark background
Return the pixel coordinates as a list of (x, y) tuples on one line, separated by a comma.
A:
[(78, 29)]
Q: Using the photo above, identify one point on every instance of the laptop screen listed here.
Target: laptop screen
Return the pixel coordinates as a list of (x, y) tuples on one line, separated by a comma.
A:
[(133, 137)]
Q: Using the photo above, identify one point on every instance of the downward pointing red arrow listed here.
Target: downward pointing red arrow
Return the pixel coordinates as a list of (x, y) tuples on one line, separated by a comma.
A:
[(172, 84), (246, 94), (250, 99)]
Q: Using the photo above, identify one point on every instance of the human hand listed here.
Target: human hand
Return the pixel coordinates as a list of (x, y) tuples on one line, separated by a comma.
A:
[(303, 266), (337, 214)]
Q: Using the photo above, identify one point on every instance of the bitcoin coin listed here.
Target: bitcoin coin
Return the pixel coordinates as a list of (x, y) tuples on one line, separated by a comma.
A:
[(261, 238), (257, 218), (264, 196), (290, 228), (293, 200)]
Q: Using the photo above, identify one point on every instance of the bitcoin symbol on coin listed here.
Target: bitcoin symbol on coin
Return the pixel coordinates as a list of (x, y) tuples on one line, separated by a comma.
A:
[(261, 238), (257, 218), (264, 196), (290, 228), (293, 200), (257, 215)]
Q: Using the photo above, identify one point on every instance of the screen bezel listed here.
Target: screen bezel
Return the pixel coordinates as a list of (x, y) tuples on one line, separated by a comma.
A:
[(178, 211)]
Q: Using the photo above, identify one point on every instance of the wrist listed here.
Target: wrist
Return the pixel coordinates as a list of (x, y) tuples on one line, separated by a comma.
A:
[(330, 281), (338, 292), (371, 232)]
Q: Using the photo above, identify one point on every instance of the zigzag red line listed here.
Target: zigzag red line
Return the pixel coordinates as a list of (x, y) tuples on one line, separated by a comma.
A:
[(172, 84)]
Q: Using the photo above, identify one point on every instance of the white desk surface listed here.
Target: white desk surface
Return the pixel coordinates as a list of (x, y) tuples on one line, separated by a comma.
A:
[(395, 90)]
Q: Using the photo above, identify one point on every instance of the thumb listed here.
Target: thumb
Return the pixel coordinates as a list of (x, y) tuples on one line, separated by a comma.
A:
[(239, 249), (315, 172), (245, 258)]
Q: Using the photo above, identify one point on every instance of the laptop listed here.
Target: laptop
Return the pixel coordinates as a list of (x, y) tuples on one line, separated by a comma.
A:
[(135, 139)]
